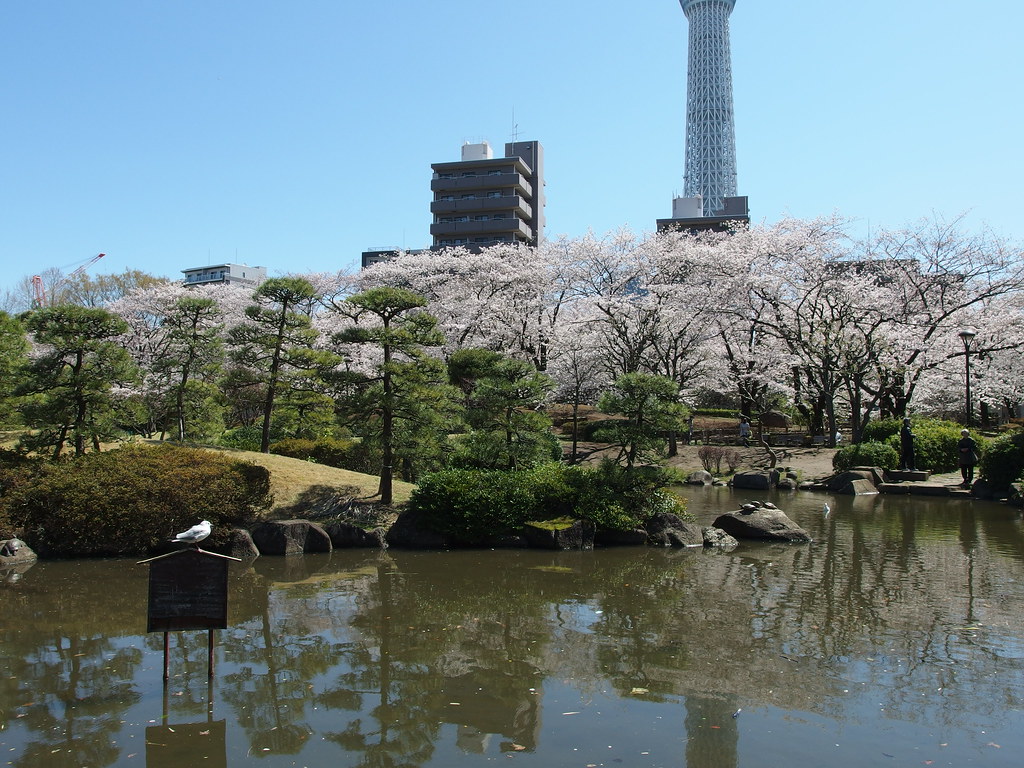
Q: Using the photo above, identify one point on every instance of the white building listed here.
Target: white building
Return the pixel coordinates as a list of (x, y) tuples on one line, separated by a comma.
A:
[(233, 274)]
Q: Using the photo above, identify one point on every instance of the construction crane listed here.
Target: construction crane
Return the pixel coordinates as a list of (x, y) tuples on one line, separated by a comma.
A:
[(39, 290)]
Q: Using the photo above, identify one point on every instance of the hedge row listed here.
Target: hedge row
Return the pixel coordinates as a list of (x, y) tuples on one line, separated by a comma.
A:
[(127, 501), (474, 505)]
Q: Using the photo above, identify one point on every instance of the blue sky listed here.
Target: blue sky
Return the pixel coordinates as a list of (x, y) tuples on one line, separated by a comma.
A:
[(175, 133)]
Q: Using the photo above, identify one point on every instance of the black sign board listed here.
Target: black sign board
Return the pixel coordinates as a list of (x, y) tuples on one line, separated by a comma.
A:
[(188, 590)]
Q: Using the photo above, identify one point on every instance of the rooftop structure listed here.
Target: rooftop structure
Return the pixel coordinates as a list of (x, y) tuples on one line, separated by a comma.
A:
[(232, 274)]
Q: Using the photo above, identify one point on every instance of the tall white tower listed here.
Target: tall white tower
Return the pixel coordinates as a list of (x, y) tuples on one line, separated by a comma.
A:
[(710, 131)]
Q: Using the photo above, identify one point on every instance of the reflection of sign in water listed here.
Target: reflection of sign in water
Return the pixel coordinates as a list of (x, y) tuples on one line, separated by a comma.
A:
[(188, 590), (172, 746)]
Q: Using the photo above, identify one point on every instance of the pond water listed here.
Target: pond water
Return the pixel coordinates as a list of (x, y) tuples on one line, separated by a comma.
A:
[(895, 639)]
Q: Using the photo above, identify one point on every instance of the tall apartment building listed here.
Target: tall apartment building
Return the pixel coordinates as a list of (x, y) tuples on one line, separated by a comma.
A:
[(482, 200)]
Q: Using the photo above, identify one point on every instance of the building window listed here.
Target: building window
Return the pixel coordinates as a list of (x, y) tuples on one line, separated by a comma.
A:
[(483, 217), (498, 172), (469, 174), (446, 175), (469, 197), (447, 198), (460, 218), (494, 194)]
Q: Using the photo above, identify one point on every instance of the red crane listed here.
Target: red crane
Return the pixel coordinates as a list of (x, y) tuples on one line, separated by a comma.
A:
[(39, 290)]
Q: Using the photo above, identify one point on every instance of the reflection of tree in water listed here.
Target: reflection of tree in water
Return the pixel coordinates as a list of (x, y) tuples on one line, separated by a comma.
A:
[(66, 678), (440, 645), (73, 694), (276, 661)]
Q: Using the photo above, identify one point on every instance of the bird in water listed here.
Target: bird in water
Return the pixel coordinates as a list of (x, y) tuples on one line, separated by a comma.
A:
[(193, 535), (826, 509)]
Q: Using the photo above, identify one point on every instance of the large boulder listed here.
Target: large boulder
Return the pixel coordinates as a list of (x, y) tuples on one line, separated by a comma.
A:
[(290, 537), (15, 552), (755, 480), (410, 531), (241, 545), (716, 538), (857, 488), (761, 523), (667, 530), (350, 536), (841, 479), (606, 537), (579, 535), (1016, 497), (700, 477), (877, 473)]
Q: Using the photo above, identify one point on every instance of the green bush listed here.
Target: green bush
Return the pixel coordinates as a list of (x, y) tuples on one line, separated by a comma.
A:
[(242, 438), (1002, 462), (870, 454), (935, 444), (325, 450), (934, 441), (474, 505), (294, 448), (127, 501), (490, 450), (598, 430), (880, 431), (17, 472)]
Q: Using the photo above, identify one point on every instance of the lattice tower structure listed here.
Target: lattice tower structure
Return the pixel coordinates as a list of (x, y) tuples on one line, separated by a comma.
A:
[(710, 129)]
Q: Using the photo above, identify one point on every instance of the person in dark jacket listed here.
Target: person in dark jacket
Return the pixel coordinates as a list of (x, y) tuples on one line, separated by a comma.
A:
[(967, 449), (908, 461)]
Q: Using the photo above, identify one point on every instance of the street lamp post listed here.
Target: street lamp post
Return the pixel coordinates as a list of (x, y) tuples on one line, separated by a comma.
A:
[(967, 336)]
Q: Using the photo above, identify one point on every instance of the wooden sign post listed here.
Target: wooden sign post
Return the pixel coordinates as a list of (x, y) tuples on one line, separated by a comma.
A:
[(188, 589)]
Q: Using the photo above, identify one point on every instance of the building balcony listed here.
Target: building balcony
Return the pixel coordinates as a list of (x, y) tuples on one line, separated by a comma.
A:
[(496, 181), (511, 203), (449, 229)]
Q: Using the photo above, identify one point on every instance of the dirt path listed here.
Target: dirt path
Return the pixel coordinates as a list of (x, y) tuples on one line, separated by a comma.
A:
[(809, 463)]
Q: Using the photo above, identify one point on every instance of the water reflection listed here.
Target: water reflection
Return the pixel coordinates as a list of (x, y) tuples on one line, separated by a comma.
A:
[(898, 630)]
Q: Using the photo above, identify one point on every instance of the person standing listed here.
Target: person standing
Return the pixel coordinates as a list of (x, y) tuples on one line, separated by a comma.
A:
[(967, 448), (745, 432), (908, 462)]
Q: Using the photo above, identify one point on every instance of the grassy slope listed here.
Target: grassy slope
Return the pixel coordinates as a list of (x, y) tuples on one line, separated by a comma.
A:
[(292, 479)]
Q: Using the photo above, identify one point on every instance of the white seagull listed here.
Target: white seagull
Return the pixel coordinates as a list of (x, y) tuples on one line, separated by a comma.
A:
[(826, 509), (193, 535)]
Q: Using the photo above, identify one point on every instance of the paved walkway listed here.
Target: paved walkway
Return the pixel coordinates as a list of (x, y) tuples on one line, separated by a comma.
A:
[(946, 484)]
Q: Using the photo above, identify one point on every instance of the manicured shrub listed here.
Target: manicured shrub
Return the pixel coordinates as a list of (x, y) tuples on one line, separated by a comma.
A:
[(1002, 462), (125, 502), (242, 438), (880, 431), (490, 450), (17, 472), (473, 505), (935, 446), (871, 454), (325, 450), (934, 441)]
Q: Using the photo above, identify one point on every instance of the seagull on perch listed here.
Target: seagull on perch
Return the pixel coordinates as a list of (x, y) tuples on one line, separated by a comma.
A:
[(193, 535)]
